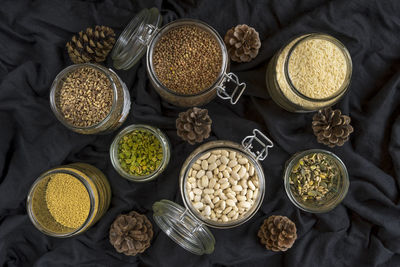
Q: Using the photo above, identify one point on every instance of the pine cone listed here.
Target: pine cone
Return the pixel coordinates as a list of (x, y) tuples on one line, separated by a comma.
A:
[(331, 127), (194, 125), (131, 233), (93, 45), (277, 233), (243, 43)]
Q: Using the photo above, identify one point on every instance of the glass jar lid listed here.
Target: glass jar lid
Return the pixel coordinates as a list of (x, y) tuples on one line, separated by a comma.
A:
[(182, 227), (133, 41)]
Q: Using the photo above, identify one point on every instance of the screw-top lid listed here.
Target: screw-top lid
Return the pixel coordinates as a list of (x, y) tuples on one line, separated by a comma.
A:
[(133, 41), (182, 227)]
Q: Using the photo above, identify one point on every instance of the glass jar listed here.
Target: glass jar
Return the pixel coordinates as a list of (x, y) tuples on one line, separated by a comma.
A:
[(121, 102), (281, 87), (340, 190), (143, 33), (185, 225), (96, 185), (165, 148)]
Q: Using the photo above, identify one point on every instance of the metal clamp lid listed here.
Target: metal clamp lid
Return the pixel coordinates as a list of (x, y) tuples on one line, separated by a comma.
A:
[(237, 92), (263, 140), (133, 41), (182, 227)]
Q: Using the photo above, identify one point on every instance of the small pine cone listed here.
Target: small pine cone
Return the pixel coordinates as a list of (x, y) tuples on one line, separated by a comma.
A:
[(194, 125), (131, 233), (331, 127), (243, 43), (277, 233), (91, 45)]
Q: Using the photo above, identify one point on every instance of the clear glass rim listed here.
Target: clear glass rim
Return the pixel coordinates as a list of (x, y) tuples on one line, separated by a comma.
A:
[(58, 80), (165, 144), (346, 55), (176, 223), (196, 154), (180, 23), (31, 193), (335, 201), (128, 38)]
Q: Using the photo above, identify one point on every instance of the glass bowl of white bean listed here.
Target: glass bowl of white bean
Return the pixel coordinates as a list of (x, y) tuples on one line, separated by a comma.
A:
[(222, 183)]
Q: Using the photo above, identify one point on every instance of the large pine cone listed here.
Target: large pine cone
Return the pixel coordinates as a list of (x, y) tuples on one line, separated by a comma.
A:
[(131, 233), (331, 127), (91, 45), (277, 233), (194, 125), (243, 43)]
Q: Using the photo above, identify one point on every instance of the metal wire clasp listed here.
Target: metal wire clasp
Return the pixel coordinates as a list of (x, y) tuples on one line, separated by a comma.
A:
[(263, 140), (237, 92), (146, 33)]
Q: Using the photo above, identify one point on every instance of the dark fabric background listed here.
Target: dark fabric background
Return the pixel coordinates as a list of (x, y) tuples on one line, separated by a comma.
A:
[(363, 231)]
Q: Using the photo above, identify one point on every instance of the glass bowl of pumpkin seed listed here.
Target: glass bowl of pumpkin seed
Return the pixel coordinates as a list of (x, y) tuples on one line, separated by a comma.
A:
[(316, 180)]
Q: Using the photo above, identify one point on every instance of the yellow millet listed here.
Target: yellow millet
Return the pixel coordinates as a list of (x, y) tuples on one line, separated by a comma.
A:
[(67, 200)]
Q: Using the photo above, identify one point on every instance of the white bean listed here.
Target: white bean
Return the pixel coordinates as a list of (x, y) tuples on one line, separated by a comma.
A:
[(204, 181), (242, 172), (216, 152), (200, 174), (243, 160), (235, 175), (231, 214), (243, 183), (242, 198), (212, 182), (236, 168), (232, 163), (249, 194), (251, 185), (212, 159), (205, 156), (224, 160), (225, 185), (223, 180), (230, 195), (227, 210), (212, 166), (208, 191), (209, 174), (230, 202), (191, 195), (226, 174), (196, 167), (198, 205), (207, 210), (222, 205), (244, 204), (237, 188), (197, 191), (217, 186), (251, 171), (204, 164)]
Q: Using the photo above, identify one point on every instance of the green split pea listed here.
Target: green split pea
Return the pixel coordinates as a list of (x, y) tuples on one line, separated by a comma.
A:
[(140, 153)]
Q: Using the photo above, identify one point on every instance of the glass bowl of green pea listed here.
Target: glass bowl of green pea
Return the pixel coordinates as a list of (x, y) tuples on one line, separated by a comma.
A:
[(316, 180), (140, 152)]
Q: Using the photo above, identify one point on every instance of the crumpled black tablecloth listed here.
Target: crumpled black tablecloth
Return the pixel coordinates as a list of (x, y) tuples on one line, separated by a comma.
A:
[(363, 231)]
